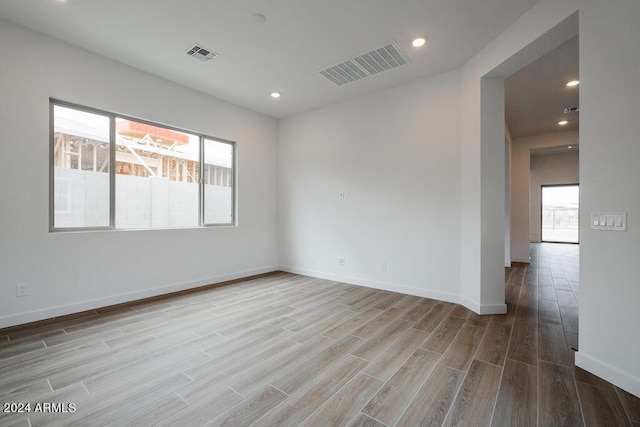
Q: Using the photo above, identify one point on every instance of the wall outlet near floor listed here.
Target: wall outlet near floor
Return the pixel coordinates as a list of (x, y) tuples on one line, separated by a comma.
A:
[(22, 290), (340, 261)]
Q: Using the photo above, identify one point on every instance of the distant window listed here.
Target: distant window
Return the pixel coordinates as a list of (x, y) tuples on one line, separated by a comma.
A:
[(109, 171), (560, 213)]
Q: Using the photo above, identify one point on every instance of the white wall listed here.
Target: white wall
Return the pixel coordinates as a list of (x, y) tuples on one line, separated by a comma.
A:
[(521, 209), (492, 193), (396, 153), (507, 197), (68, 272), (609, 173), (548, 169), (483, 180), (610, 178), (429, 208)]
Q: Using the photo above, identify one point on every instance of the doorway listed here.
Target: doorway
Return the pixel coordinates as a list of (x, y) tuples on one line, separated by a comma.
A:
[(560, 213)]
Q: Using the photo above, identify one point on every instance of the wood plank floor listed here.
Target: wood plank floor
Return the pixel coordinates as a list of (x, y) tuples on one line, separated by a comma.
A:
[(289, 350)]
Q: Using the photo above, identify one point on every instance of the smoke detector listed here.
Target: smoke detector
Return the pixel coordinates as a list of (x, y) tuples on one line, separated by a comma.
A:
[(201, 53)]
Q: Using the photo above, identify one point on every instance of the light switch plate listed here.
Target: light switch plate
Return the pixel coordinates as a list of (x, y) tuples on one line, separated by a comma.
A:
[(609, 221)]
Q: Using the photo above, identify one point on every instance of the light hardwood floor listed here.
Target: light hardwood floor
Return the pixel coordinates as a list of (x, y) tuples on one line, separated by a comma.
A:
[(288, 350)]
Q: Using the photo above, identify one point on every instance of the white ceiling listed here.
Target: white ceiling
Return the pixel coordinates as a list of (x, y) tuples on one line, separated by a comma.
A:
[(299, 38), (536, 96)]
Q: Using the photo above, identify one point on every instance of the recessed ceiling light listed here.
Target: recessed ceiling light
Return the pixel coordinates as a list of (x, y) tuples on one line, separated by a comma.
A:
[(419, 41), (563, 122), (570, 147), (275, 94), (573, 83)]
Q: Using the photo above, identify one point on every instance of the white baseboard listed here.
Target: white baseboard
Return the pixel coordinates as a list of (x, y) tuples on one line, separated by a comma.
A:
[(610, 373), (526, 260), (373, 284), (47, 313), (50, 312), (419, 292), (483, 308)]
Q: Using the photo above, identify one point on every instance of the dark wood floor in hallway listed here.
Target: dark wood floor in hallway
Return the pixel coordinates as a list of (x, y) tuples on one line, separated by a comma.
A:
[(289, 350)]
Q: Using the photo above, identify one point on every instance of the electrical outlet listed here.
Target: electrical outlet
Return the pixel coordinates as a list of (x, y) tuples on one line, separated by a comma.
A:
[(340, 261), (21, 290), (383, 266)]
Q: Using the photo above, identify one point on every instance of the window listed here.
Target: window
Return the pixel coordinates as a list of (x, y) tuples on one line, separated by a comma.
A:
[(110, 171), (81, 168), (560, 213), (217, 182)]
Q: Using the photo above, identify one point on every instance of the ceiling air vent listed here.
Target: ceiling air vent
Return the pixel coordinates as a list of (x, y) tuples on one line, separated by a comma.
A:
[(383, 58), (201, 53), (571, 110)]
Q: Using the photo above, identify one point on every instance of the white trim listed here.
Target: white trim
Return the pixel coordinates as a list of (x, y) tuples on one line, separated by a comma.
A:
[(373, 284), (48, 313), (483, 309), (32, 316), (526, 260), (610, 373), (408, 290), (493, 309)]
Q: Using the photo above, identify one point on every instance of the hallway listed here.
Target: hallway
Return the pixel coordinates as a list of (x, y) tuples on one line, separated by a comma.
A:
[(567, 395)]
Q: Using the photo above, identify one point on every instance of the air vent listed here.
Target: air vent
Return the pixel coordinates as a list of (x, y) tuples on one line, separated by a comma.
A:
[(384, 58), (572, 110), (201, 53)]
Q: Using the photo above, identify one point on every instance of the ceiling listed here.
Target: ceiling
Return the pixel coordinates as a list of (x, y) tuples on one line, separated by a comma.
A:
[(536, 96), (285, 53)]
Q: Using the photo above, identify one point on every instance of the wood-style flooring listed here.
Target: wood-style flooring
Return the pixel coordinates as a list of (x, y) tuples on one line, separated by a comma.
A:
[(289, 350)]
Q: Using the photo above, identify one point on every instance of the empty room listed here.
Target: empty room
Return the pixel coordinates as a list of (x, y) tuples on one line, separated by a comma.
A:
[(319, 213)]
